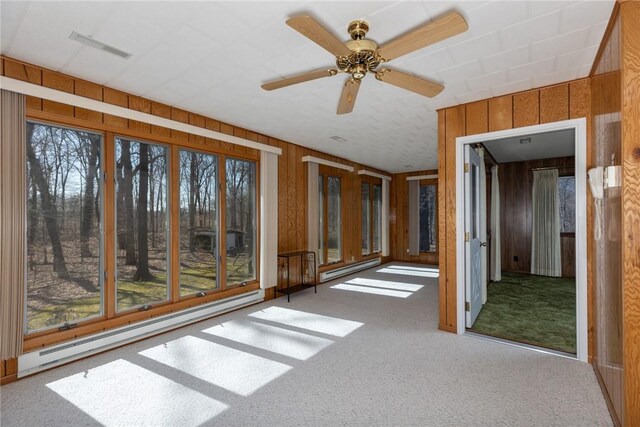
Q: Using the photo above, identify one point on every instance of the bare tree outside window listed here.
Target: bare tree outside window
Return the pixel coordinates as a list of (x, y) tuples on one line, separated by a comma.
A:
[(567, 193), (241, 221), (377, 217), (141, 223), (365, 224), (198, 222), (64, 217), (428, 218), (334, 220)]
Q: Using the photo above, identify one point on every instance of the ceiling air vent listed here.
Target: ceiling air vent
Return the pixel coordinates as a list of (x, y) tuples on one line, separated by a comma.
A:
[(338, 138), (91, 42)]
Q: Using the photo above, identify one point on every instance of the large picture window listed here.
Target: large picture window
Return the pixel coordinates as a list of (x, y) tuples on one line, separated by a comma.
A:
[(64, 222), (117, 225), (365, 215), (377, 218), (371, 217), (198, 222), (141, 224), (330, 214), (241, 221), (428, 218)]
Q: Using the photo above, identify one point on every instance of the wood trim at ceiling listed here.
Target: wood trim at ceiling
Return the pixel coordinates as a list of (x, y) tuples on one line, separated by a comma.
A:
[(421, 177), (327, 163), (374, 174), (70, 99)]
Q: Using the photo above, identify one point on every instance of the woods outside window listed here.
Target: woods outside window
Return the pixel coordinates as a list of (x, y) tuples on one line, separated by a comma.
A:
[(168, 223), (371, 215), (330, 216)]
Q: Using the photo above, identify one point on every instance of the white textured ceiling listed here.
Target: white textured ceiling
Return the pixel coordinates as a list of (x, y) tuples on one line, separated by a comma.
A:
[(546, 145), (212, 57)]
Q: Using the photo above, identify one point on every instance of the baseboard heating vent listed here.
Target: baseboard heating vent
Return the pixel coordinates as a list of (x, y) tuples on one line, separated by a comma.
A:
[(325, 276), (35, 361)]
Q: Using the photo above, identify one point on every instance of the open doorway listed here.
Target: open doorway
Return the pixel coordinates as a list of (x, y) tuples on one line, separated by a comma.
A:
[(522, 256)]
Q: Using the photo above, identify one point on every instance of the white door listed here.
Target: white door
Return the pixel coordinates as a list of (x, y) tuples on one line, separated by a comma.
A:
[(473, 242)]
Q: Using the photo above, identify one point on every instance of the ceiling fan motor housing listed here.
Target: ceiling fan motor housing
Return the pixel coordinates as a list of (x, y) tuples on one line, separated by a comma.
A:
[(364, 56)]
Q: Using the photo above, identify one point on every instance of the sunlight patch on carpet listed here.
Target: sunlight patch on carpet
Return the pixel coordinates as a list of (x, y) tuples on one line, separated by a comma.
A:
[(277, 340), (234, 370), (122, 393), (310, 321)]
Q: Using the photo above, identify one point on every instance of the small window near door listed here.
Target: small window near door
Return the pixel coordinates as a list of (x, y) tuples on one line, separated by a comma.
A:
[(428, 218), (567, 193)]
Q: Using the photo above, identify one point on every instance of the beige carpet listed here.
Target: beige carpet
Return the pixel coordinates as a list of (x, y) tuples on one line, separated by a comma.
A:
[(364, 351)]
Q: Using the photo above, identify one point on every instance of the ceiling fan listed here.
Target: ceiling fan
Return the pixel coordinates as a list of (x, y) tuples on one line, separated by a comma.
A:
[(359, 55)]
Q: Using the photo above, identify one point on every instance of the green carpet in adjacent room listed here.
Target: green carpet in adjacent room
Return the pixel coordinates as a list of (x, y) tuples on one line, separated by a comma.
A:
[(535, 310)]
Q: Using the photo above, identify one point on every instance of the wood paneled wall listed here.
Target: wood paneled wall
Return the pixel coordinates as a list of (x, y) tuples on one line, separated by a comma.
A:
[(516, 183), (616, 111), (292, 173), (630, 43), (548, 104), (399, 220)]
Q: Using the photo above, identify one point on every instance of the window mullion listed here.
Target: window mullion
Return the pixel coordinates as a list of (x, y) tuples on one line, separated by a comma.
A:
[(174, 241), (222, 225), (109, 226)]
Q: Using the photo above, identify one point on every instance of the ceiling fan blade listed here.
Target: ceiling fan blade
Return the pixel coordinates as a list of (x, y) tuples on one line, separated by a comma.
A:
[(300, 78), (440, 29), (348, 97), (309, 28), (409, 82)]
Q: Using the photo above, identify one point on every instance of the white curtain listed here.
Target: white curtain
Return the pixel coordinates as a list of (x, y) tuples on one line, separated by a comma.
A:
[(414, 218), (269, 219), (384, 238), (483, 225), (496, 254), (545, 233)]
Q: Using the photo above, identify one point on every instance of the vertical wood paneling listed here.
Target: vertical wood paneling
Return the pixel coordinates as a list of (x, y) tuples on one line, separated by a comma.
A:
[(142, 105), (526, 108), (442, 222), (630, 25), (161, 110), (454, 127), (580, 106), (179, 116), (500, 113), (118, 98), (60, 82), (88, 90), (608, 355), (554, 103), (477, 117)]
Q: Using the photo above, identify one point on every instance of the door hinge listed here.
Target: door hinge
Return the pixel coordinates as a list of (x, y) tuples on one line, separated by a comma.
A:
[(466, 168), (466, 236), (467, 306)]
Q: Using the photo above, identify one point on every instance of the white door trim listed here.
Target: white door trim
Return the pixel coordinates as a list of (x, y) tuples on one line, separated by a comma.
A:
[(580, 127)]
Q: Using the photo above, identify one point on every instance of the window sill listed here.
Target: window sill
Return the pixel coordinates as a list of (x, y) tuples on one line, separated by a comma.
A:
[(51, 337)]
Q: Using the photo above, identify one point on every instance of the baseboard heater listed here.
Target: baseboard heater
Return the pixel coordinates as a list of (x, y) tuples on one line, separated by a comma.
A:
[(325, 276), (46, 358)]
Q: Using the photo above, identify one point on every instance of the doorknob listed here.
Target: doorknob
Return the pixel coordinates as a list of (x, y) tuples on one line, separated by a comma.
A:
[(483, 243)]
